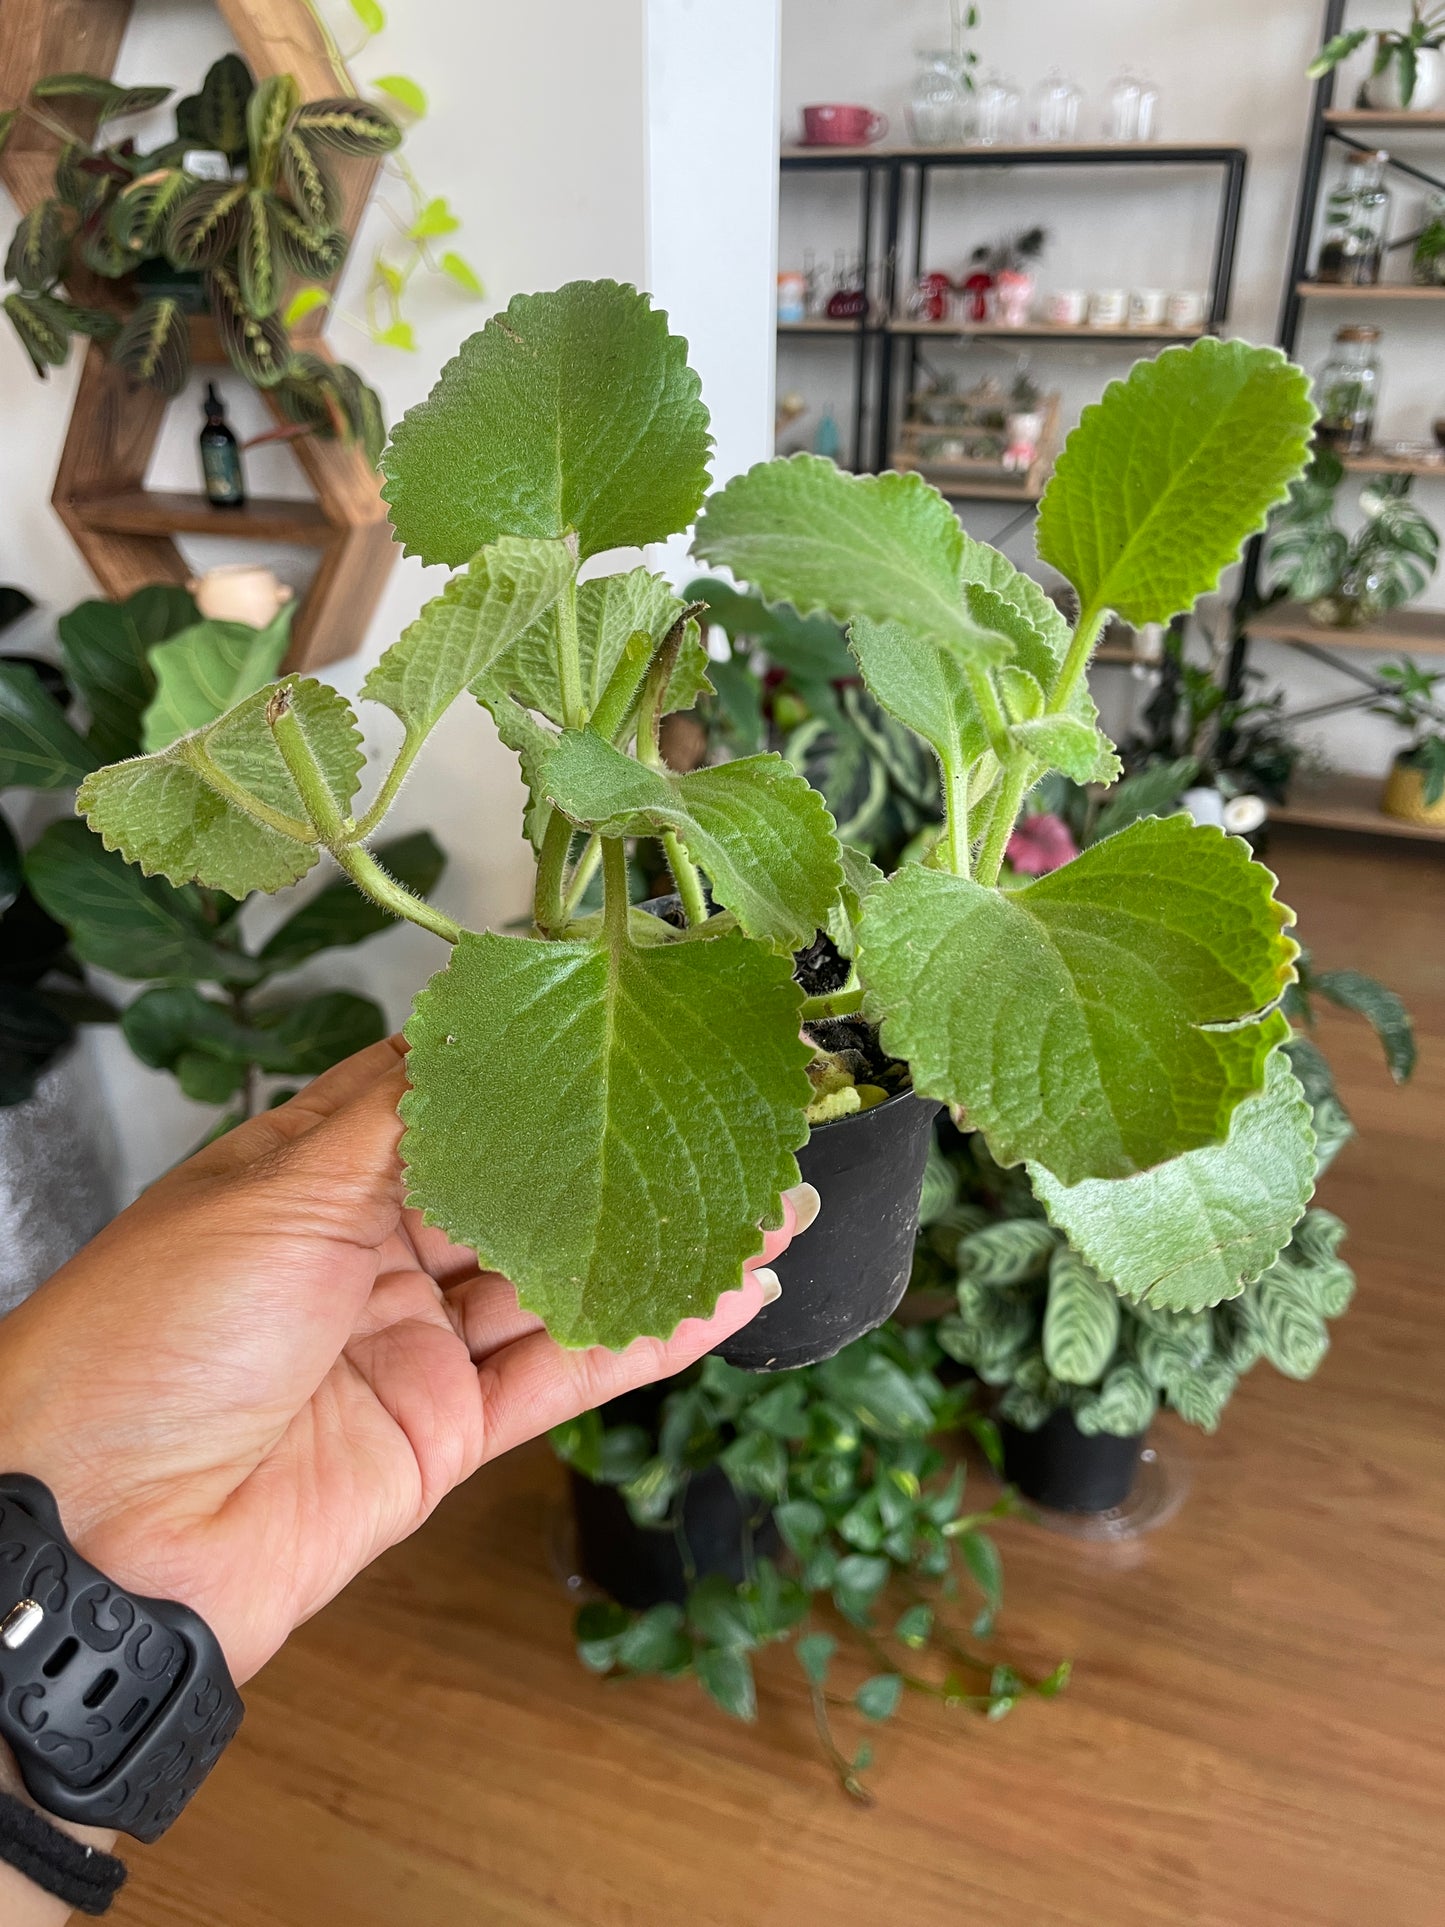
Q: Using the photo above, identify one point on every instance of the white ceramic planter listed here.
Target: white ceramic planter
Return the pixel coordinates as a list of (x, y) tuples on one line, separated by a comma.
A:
[(1382, 91)]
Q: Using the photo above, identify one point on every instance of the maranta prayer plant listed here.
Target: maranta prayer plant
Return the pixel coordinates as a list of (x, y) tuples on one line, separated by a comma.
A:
[(607, 1109)]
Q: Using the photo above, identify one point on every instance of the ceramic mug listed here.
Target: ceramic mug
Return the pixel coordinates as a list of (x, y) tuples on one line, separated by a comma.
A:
[(1146, 308), (839, 126), (1066, 307), (1108, 308), (1185, 309)]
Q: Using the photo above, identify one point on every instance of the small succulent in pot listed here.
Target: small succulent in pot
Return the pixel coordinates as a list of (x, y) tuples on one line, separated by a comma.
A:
[(607, 1110)]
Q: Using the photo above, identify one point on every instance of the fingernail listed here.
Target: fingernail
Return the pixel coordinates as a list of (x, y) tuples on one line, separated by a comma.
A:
[(768, 1283), (806, 1205)]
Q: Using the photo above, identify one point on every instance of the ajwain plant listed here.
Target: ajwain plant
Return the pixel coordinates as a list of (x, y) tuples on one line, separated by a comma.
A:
[(606, 1110)]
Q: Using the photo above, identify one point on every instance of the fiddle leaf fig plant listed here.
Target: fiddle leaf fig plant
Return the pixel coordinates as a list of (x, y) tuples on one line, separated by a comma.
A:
[(608, 1108)]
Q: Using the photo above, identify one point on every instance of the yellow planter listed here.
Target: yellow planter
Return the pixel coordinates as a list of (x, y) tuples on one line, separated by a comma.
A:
[(1404, 796)]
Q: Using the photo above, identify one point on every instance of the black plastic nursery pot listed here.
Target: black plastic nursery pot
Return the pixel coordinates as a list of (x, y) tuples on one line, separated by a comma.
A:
[(848, 1272), (1063, 1468), (642, 1566)]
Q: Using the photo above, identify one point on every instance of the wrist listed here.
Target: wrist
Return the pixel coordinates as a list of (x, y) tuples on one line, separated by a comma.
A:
[(22, 1903)]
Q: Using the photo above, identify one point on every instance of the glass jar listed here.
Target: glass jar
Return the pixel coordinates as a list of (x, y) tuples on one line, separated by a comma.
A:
[(938, 105), (1427, 260), (1131, 109), (1347, 391), (1055, 108), (996, 112), (1357, 221)]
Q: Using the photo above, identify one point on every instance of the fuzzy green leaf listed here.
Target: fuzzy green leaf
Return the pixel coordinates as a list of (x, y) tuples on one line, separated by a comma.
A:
[(1100, 1020), (762, 835), (1167, 475), (206, 670), (1197, 1229), (340, 914), (610, 609), (122, 921), (642, 1114), (1081, 1321), (175, 813), (38, 748), (1124, 1405), (106, 649), (887, 547), (461, 633), (572, 411)]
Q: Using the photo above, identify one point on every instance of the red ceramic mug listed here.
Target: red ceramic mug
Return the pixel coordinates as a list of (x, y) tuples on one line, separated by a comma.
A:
[(835, 126)]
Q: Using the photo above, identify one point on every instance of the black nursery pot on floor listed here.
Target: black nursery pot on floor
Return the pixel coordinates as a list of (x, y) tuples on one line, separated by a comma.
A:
[(847, 1273), (1063, 1468), (642, 1566)]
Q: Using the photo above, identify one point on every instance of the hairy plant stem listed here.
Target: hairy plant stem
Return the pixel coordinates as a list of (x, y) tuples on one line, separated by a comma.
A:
[(336, 834), (390, 789), (615, 905), (569, 658), (1017, 781), (614, 705), (990, 711), (955, 844), (649, 719), (834, 1003), (548, 907), (582, 874), (685, 876), (1091, 621)]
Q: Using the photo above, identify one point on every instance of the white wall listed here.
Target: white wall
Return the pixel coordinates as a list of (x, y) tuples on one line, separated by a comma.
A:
[(538, 132), (1230, 71)]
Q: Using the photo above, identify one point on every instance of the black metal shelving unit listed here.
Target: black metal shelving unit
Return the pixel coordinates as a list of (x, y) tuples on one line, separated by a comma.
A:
[(1343, 804), (889, 176)]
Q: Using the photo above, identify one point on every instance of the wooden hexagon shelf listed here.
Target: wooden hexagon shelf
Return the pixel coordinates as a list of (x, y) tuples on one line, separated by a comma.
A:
[(124, 530)]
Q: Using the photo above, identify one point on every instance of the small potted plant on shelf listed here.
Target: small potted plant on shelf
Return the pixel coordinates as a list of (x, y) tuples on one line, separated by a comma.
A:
[(1348, 581), (214, 221), (1082, 1364), (726, 1511), (1407, 70), (608, 1109), (1415, 787), (1014, 275)]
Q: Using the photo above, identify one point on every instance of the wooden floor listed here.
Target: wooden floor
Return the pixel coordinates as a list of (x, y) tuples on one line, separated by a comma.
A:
[(1255, 1736)]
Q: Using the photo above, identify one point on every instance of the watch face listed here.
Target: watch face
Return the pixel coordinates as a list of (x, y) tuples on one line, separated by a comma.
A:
[(115, 1706)]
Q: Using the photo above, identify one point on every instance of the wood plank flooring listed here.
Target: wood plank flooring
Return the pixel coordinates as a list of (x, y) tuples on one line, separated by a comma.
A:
[(1255, 1736)]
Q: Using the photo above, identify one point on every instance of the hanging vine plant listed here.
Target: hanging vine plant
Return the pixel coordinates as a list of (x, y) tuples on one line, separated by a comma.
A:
[(219, 218)]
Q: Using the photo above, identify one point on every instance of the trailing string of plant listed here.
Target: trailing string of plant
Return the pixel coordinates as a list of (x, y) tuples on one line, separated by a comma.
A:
[(843, 1475), (607, 1110), (133, 677), (131, 244), (429, 218)]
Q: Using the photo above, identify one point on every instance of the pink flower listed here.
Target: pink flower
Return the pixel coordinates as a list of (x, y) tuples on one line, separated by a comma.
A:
[(1041, 843)]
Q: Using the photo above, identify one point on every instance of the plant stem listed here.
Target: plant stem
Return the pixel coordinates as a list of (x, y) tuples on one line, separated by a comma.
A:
[(990, 710), (839, 1762), (955, 835), (548, 910), (387, 794), (614, 705), (1017, 782), (569, 658), (217, 779), (582, 875), (337, 835), (685, 876), (836, 1003), (1091, 621), (615, 904)]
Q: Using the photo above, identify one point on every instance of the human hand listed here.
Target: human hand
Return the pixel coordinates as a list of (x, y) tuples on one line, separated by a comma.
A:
[(265, 1372)]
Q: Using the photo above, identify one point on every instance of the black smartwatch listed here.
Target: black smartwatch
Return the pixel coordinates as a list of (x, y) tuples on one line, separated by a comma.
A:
[(115, 1707)]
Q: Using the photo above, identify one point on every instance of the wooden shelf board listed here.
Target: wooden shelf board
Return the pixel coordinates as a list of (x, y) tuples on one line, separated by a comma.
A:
[(1408, 629), (1382, 117), (822, 326), (1351, 803), (1379, 291), (1116, 652), (1372, 464), (957, 489), (141, 511), (1037, 331)]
